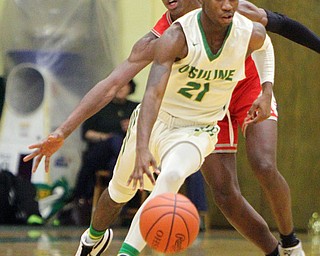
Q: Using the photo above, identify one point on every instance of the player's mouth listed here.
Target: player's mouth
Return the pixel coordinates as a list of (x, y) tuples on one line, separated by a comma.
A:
[(227, 18), (172, 4)]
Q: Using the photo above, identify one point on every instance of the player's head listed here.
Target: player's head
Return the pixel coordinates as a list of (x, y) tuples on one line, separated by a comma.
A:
[(219, 11), (178, 8)]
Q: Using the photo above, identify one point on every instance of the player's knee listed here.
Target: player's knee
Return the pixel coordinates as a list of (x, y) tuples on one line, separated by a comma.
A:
[(265, 169), (173, 176), (119, 193), (226, 199)]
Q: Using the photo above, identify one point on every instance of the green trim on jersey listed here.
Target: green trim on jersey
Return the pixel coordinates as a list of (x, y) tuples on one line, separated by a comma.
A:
[(210, 55)]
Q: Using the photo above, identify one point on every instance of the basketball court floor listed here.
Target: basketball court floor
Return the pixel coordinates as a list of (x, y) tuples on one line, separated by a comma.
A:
[(63, 241)]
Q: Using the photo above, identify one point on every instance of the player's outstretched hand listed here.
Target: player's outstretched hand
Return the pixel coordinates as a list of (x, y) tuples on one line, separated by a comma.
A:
[(145, 164), (45, 148)]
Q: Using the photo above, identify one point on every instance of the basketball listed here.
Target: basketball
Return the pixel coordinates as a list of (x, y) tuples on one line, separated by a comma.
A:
[(169, 223)]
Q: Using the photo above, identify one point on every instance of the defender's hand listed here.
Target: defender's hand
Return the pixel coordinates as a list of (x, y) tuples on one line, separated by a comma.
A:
[(45, 148), (259, 111)]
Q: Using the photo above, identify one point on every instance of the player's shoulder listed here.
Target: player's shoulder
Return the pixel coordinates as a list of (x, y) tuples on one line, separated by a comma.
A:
[(143, 49), (258, 32), (189, 17), (174, 32), (173, 42), (162, 24), (258, 36)]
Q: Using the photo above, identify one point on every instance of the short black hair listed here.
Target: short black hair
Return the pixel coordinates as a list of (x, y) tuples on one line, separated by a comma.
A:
[(132, 86)]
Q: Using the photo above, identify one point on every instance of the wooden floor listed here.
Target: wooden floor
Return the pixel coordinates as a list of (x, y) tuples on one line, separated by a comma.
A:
[(63, 241)]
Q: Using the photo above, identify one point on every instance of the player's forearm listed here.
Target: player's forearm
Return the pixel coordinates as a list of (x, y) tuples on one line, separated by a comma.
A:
[(265, 61), (147, 117), (252, 12), (267, 89), (292, 30), (151, 103)]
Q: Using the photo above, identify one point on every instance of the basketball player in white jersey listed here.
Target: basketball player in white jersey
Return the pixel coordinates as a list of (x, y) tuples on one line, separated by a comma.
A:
[(198, 62)]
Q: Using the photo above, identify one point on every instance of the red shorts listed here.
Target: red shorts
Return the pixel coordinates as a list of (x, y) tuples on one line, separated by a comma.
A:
[(245, 93)]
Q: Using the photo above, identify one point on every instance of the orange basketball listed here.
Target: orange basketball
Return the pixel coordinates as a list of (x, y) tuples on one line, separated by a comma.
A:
[(169, 223)]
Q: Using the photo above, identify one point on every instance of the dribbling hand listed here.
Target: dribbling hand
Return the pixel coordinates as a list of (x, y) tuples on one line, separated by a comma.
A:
[(145, 164)]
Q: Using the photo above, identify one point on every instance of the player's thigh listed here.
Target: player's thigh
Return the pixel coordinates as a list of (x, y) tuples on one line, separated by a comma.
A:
[(203, 139), (219, 171), (261, 144)]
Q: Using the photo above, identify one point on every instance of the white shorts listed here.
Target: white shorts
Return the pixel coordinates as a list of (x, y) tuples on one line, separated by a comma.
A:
[(166, 134)]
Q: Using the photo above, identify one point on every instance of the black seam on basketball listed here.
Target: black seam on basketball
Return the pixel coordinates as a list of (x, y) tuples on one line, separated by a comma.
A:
[(157, 206), (172, 221), (186, 210), (186, 225), (173, 210), (156, 222), (164, 197), (167, 196)]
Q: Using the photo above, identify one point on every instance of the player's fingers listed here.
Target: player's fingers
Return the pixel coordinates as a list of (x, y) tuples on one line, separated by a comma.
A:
[(33, 146), (252, 110), (129, 180), (250, 119), (36, 163), (259, 118), (157, 171), (134, 183), (250, 115), (47, 164), (141, 182), (132, 179), (150, 176), (30, 156), (264, 115), (155, 167)]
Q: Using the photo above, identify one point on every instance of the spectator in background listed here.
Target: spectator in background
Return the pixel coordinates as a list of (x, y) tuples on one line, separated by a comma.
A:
[(103, 134)]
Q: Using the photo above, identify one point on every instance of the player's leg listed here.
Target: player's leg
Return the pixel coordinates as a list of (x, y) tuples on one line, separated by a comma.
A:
[(181, 155), (170, 179), (97, 238), (261, 145), (219, 170)]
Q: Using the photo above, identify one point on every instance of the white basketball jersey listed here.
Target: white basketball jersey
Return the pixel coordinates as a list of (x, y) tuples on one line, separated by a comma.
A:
[(201, 84)]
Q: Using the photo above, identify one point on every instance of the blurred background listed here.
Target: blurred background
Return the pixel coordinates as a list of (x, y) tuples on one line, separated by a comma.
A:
[(53, 52)]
